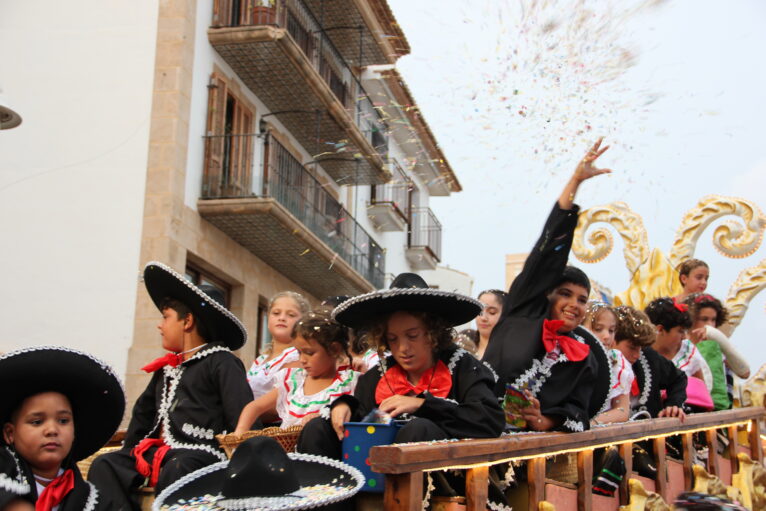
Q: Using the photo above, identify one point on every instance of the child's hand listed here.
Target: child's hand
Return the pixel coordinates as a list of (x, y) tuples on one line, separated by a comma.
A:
[(19, 505), (397, 405), (536, 421), (340, 414), (697, 335), (673, 411), (312, 415), (585, 169)]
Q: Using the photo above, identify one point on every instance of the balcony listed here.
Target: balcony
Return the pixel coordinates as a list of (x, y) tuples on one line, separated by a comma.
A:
[(424, 244), (282, 53), (284, 216), (388, 208)]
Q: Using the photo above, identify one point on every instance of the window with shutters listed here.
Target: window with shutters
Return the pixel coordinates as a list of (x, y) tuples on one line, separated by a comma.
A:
[(228, 144)]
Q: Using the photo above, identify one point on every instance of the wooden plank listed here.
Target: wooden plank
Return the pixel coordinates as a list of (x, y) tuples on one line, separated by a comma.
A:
[(712, 452), (476, 484), (687, 444), (536, 482), (394, 459), (733, 448), (756, 447), (662, 468), (585, 480), (626, 453), (404, 492)]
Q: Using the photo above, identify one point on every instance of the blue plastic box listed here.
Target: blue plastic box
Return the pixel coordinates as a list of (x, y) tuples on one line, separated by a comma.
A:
[(358, 438)]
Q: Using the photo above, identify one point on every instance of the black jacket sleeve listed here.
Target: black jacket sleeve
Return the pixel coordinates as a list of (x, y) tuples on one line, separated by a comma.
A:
[(13, 484), (544, 264), (231, 379), (673, 381), (144, 416), (474, 412), (572, 410)]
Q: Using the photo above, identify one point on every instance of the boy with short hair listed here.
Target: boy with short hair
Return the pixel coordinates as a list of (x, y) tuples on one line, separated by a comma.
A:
[(654, 373), (58, 406), (196, 392)]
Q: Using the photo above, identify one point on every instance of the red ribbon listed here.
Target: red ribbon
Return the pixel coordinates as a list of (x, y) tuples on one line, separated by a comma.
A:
[(634, 388), (142, 466), (171, 359), (55, 492), (682, 307), (573, 349), (437, 381)]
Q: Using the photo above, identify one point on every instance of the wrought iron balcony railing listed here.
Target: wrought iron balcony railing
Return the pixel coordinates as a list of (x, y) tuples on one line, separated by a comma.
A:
[(425, 232)]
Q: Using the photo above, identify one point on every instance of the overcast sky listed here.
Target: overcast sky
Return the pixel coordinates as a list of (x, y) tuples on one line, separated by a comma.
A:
[(514, 95)]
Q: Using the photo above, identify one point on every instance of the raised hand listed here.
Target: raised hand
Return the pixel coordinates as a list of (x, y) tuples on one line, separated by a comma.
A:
[(585, 169)]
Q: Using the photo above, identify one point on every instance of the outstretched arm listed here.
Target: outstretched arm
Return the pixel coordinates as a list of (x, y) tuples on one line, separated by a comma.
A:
[(255, 409), (584, 171)]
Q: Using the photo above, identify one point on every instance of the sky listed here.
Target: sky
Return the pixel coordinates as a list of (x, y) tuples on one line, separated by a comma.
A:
[(516, 91)]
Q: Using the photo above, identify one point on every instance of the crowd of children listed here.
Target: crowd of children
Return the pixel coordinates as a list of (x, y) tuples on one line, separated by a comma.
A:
[(567, 364)]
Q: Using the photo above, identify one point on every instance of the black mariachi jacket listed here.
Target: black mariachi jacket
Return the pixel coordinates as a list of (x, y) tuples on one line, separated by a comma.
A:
[(655, 373), (515, 349), (17, 481), (193, 402), (470, 410)]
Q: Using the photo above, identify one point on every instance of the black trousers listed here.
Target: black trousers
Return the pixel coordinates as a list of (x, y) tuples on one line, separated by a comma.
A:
[(318, 437), (116, 478)]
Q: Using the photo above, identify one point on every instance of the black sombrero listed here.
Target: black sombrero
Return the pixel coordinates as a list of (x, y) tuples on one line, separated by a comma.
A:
[(408, 292), (206, 303), (260, 475), (600, 392), (93, 389)]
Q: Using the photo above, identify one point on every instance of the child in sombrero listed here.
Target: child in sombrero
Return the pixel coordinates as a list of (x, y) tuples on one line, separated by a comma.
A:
[(444, 391), (196, 392), (58, 406)]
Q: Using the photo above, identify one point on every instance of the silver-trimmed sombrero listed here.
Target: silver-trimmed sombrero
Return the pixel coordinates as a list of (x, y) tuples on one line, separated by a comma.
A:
[(261, 476), (163, 282), (408, 292)]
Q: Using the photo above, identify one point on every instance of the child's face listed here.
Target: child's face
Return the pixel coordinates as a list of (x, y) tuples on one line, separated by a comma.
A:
[(172, 330), (409, 343), (631, 352), (706, 316), (490, 315), (283, 315), (314, 359), (567, 303), (696, 281), (604, 325), (42, 431), (670, 338)]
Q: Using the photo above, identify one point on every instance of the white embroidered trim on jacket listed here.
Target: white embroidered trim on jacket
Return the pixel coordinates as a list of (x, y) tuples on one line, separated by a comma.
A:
[(647, 382), (198, 432), (574, 425), (607, 405), (453, 360), (491, 370), (540, 369), (90, 504), (20, 485)]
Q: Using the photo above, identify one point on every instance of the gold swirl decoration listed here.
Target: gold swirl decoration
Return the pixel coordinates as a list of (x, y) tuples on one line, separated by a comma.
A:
[(600, 243), (654, 278), (731, 239), (749, 283)]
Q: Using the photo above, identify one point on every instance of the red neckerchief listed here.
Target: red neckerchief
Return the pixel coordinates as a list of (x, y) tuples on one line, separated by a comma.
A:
[(437, 381), (574, 350), (634, 388), (142, 466), (55, 492), (171, 359)]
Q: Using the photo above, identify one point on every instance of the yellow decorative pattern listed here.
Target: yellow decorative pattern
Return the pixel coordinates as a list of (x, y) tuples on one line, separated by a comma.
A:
[(625, 221), (653, 279), (749, 283)]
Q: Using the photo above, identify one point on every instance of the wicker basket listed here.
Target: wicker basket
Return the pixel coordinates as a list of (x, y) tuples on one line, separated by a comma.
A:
[(287, 438), (84, 465)]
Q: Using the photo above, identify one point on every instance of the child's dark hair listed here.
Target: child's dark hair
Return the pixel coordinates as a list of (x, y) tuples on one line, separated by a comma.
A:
[(573, 275), (320, 328), (633, 326), (698, 301), (183, 312), (667, 313), (686, 267), (438, 330), (500, 295)]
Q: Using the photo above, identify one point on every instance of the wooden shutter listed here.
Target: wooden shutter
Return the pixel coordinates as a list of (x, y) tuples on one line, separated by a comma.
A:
[(215, 140)]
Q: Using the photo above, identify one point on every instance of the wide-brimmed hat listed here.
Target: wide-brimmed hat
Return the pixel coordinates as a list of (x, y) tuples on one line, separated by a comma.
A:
[(603, 383), (260, 475), (93, 389), (408, 292), (206, 303)]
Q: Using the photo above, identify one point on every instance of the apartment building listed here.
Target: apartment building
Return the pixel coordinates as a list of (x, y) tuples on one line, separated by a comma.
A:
[(256, 145)]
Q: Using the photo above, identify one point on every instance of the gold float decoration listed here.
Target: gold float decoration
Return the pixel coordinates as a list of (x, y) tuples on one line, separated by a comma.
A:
[(652, 273), (641, 499)]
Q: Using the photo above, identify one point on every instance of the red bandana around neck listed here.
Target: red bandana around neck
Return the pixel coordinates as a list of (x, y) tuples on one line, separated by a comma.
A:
[(55, 492), (574, 350), (437, 381), (170, 359), (634, 388)]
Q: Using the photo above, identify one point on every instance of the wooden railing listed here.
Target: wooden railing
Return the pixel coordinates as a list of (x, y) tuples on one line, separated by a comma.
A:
[(404, 464)]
